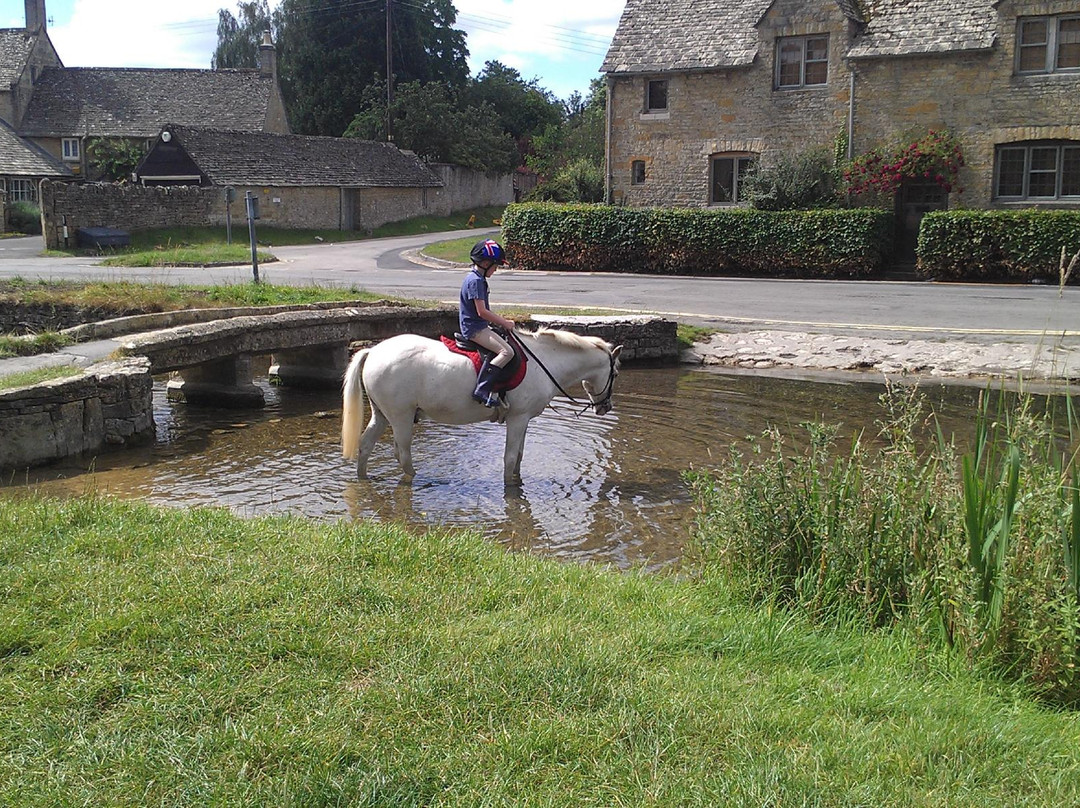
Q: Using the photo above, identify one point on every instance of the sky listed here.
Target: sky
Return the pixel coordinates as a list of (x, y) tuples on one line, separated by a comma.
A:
[(561, 43)]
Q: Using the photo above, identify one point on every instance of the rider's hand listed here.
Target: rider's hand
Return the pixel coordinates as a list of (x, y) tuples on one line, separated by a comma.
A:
[(509, 325)]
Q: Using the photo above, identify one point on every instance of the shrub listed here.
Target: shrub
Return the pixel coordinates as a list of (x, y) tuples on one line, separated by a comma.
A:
[(936, 156), (795, 182), (980, 552), (579, 181), (994, 245), (25, 217), (822, 243)]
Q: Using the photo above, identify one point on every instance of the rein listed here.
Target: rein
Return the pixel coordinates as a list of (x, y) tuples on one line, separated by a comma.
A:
[(604, 397)]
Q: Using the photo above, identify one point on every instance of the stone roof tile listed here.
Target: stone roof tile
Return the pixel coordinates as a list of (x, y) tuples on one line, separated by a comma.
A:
[(21, 158), (673, 35), (135, 102), (911, 27), (265, 158), (15, 47)]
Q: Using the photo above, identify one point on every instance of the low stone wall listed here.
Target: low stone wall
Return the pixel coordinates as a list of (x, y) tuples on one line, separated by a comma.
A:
[(108, 405), (644, 338)]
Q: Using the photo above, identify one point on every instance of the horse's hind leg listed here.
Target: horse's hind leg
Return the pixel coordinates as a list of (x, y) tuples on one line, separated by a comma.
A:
[(403, 434), (372, 432)]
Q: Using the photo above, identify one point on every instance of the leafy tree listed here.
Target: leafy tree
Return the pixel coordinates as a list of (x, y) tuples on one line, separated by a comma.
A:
[(569, 156), (113, 158), (431, 120), (239, 37), (524, 107), (332, 51)]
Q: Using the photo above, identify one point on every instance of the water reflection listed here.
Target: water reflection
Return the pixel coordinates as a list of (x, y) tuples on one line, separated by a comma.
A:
[(607, 489)]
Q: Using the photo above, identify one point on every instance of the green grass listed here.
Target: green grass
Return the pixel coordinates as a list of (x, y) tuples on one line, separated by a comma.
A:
[(158, 657), (454, 250), (45, 342), (119, 296), (31, 377), (196, 255)]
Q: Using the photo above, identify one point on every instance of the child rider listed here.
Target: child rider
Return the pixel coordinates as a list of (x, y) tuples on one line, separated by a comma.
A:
[(475, 319)]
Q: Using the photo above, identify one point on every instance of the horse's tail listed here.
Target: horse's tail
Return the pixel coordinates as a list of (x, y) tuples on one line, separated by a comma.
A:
[(352, 399)]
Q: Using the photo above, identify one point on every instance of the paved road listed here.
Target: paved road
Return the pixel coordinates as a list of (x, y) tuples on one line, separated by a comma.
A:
[(972, 312)]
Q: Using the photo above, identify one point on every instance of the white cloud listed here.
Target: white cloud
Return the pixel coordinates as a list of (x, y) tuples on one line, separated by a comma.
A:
[(135, 33)]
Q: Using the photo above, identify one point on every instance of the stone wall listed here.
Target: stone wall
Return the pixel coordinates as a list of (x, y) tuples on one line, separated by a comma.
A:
[(644, 338), (65, 207), (109, 405), (974, 94), (465, 188)]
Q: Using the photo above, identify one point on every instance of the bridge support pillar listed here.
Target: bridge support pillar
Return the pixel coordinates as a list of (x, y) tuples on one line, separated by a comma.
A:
[(222, 383), (318, 366)]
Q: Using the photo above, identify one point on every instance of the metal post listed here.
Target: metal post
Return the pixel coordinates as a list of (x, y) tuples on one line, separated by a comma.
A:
[(252, 214), (389, 74)]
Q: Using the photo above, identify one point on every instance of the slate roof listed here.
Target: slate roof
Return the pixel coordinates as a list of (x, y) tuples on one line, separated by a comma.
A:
[(15, 46), (20, 158), (911, 27), (135, 102), (656, 35), (266, 158), (678, 35)]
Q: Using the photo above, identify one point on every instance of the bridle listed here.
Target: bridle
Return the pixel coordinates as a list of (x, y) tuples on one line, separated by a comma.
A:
[(602, 403)]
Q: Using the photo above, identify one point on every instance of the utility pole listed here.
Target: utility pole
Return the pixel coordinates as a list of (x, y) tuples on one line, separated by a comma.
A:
[(389, 74)]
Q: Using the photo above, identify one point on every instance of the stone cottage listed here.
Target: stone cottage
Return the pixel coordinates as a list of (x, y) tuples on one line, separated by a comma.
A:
[(698, 90)]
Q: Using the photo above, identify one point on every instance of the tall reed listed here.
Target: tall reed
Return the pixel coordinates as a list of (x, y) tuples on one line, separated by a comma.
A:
[(978, 550)]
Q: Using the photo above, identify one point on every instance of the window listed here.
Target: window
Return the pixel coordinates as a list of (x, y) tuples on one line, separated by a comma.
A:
[(637, 172), (656, 95), (1048, 44), (726, 172), (802, 61), (71, 149), (1038, 170), (21, 191)]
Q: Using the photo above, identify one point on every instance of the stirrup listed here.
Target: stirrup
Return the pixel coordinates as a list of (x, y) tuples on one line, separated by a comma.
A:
[(489, 400)]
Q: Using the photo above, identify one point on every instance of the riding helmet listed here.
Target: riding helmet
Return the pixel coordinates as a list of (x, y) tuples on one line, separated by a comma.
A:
[(488, 250)]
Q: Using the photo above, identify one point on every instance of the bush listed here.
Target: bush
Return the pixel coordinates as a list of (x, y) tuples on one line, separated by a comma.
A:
[(795, 182), (25, 217), (995, 245), (980, 552), (580, 181), (736, 241)]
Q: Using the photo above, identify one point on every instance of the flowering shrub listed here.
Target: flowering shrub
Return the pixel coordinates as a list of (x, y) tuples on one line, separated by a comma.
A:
[(936, 156)]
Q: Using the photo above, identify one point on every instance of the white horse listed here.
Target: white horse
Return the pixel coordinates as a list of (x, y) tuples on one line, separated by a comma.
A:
[(408, 377)]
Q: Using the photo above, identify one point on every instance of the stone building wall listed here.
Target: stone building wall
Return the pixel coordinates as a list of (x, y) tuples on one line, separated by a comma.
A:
[(975, 94)]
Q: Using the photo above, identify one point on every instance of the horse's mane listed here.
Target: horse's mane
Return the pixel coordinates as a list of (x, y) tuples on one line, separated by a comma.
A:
[(569, 338)]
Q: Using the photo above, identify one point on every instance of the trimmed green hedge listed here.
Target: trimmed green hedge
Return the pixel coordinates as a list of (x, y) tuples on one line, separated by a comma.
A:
[(997, 245), (733, 241)]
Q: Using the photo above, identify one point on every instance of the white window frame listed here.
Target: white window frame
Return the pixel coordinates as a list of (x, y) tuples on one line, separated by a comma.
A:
[(802, 42), (1051, 44), (1027, 149), (20, 190), (71, 149), (741, 162)]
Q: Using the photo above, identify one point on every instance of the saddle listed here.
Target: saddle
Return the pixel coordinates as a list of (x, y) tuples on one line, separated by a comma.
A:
[(514, 372)]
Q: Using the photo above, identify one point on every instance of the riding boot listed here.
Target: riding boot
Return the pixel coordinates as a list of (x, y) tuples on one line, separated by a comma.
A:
[(484, 383)]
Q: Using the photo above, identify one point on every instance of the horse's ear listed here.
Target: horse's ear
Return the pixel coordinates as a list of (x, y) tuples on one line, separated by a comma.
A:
[(616, 351)]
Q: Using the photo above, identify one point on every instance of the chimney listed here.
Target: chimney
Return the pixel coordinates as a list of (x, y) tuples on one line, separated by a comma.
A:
[(35, 15), (267, 55)]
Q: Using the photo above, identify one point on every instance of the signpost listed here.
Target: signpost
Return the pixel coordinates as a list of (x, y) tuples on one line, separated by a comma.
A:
[(252, 203)]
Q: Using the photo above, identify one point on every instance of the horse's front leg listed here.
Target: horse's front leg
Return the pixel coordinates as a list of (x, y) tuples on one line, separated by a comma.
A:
[(515, 446)]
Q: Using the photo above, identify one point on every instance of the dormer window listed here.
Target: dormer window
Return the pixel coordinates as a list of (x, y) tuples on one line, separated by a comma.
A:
[(802, 61), (1048, 44), (70, 148), (656, 91)]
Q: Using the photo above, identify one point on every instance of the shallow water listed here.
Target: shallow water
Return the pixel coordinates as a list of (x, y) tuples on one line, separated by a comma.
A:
[(601, 489)]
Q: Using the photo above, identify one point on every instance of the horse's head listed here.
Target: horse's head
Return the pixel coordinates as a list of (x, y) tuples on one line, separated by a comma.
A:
[(601, 385)]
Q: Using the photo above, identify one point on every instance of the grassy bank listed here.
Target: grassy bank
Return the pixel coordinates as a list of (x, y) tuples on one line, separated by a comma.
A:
[(149, 656), (9, 381)]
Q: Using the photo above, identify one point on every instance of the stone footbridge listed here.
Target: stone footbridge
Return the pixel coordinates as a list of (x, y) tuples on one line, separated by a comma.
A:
[(110, 403)]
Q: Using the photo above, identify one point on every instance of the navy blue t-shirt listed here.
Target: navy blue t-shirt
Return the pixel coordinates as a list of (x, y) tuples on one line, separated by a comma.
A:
[(473, 288)]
